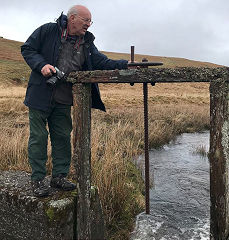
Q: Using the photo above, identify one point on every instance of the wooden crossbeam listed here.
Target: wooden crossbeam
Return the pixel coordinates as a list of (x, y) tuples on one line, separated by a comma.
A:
[(157, 75)]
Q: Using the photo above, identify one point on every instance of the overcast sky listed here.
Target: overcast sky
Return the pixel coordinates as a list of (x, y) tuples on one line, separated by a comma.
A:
[(193, 29)]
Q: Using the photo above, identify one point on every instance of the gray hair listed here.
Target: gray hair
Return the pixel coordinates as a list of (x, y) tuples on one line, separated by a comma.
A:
[(72, 11)]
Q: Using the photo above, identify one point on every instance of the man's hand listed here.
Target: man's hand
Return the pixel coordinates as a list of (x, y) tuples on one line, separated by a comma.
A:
[(47, 70)]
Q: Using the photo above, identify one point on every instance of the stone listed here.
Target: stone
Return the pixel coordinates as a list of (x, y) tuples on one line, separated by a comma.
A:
[(24, 216)]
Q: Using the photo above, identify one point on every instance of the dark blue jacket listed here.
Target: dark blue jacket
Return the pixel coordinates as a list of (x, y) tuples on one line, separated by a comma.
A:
[(42, 48)]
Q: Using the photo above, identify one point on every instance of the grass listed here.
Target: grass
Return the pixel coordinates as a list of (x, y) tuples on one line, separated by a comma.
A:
[(13, 72), (117, 135), (200, 150)]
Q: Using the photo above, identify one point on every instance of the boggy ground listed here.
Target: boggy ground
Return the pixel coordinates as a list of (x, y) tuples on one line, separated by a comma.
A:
[(117, 135)]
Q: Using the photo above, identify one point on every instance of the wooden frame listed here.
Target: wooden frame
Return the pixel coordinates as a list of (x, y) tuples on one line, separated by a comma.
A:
[(219, 134)]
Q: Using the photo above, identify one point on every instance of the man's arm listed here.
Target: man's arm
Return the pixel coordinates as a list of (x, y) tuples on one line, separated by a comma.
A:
[(31, 49), (102, 62)]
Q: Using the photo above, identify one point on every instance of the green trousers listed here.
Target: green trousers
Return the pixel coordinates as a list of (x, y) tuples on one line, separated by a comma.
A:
[(59, 124)]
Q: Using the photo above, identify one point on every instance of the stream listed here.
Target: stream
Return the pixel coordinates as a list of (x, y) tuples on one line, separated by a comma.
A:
[(180, 196)]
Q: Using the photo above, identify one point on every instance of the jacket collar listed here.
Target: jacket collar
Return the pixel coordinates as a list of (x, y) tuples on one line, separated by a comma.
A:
[(89, 37), (62, 21)]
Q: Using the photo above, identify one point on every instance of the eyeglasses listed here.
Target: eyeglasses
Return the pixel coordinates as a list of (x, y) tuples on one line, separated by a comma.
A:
[(85, 20)]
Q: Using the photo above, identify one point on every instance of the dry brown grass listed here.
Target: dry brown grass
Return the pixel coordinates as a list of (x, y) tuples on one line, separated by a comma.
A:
[(14, 129), (163, 93)]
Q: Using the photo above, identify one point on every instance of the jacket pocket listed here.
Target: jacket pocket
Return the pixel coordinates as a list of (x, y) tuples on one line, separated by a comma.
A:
[(36, 78)]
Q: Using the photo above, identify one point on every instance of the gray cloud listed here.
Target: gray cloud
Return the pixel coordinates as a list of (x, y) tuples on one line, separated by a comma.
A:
[(194, 29)]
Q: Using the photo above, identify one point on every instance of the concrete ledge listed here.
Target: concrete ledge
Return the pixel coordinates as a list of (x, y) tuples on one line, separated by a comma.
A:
[(26, 217)]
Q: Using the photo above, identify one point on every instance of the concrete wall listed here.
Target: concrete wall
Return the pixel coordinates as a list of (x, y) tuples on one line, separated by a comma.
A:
[(23, 216), (26, 217)]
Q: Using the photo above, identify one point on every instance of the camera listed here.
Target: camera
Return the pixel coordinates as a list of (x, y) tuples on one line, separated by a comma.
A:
[(57, 76)]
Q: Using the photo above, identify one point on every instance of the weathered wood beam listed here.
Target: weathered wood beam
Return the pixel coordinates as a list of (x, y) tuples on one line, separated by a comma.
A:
[(82, 156), (157, 75), (219, 160)]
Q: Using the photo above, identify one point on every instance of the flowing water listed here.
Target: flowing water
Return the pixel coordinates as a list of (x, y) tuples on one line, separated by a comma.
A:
[(180, 197)]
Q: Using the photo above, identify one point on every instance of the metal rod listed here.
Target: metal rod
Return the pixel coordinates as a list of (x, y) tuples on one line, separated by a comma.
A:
[(132, 59), (143, 64), (132, 54), (146, 122), (145, 98)]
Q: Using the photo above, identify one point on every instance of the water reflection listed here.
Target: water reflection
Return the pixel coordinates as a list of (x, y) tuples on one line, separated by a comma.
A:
[(180, 199)]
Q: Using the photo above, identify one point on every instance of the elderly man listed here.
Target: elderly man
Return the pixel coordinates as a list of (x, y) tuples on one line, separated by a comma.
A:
[(68, 46)]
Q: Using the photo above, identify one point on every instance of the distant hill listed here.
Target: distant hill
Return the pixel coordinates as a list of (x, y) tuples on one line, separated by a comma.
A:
[(13, 67), (168, 62), (10, 50)]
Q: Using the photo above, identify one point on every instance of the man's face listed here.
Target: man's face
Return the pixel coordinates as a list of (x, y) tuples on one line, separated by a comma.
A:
[(80, 23)]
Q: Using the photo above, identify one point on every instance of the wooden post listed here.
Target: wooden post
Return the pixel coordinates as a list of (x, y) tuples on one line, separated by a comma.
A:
[(219, 159), (82, 156)]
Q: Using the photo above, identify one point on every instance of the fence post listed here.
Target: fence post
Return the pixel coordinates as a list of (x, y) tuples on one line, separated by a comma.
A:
[(219, 159), (82, 156)]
